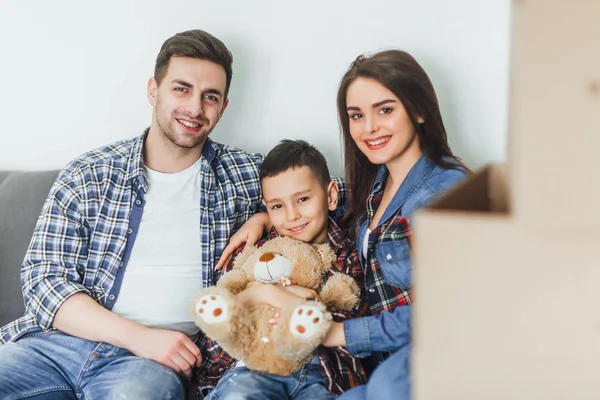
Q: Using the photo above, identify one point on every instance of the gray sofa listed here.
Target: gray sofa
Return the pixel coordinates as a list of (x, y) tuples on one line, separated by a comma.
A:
[(22, 195)]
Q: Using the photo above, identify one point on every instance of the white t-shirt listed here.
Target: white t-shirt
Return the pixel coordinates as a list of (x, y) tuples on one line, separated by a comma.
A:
[(165, 270), (365, 246)]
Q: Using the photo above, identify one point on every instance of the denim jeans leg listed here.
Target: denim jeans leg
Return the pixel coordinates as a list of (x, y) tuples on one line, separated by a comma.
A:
[(242, 384), (311, 385), (41, 366), (113, 373)]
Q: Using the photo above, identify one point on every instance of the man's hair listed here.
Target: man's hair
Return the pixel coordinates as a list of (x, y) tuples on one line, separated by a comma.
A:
[(295, 153), (194, 44)]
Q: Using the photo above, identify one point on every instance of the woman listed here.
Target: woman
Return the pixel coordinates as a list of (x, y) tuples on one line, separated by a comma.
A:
[(397, 160)]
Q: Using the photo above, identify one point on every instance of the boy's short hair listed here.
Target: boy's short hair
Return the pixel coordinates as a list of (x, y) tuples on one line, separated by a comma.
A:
[(295, 153)]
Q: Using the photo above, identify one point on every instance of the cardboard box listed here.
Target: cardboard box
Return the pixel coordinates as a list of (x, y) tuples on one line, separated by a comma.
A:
[(507, 265)]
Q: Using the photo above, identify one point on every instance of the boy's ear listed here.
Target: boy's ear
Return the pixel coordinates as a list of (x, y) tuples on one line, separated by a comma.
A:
[(332, 195)]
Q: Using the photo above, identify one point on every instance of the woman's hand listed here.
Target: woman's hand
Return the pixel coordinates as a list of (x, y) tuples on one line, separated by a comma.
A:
[(336, 336), (249, 233)]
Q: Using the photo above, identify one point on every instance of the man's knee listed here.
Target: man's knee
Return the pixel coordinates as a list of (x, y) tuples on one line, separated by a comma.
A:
[(148, 380)]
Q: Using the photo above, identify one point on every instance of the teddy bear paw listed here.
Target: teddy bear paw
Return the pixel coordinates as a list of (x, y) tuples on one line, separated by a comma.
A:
[(306, 321), (212, 308)]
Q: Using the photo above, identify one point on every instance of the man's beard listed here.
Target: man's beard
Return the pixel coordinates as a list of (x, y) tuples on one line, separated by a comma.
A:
[(168, 131)]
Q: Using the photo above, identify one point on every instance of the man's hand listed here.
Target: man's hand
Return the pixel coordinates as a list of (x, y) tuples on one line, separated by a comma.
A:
[(249, 233), (170, 348)]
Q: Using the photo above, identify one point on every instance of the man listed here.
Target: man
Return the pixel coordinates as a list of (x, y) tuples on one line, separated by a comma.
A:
[(128, 233)]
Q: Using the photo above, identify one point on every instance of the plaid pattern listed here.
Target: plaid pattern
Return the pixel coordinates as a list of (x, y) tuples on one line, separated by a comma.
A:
[(341, 369), (80, 240), (380, 295)]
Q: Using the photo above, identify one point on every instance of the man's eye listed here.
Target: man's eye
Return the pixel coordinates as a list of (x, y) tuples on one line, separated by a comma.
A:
[(212, 98), (180, 89)]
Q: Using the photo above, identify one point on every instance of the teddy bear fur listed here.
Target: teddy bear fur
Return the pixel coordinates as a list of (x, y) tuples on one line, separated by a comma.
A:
[(247, 335)]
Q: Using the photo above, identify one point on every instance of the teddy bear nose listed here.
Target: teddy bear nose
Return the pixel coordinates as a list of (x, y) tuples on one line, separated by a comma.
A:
[(271, 267), (267, 257)]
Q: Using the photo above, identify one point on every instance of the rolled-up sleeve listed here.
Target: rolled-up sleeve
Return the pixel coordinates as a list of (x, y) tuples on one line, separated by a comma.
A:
[(387, 331), (51, 271)]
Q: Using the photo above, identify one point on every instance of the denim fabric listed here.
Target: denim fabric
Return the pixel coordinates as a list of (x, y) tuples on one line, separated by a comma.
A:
[(53, 365), (390, 381), (387, 331), (241, 383)]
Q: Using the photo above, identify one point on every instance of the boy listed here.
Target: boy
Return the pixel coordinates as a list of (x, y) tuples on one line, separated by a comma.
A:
[(299, 194)]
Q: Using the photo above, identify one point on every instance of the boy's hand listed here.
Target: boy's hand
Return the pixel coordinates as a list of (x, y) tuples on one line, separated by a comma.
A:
[(249, 233), (302, 292)]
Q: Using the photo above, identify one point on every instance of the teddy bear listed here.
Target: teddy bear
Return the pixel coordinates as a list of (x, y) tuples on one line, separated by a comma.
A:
[(246, 333)]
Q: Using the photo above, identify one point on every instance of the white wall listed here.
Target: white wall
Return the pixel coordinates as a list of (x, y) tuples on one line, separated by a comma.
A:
[(73, 73)]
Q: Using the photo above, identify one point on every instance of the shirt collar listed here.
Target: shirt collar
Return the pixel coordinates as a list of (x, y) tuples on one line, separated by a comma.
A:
[(137, 169)]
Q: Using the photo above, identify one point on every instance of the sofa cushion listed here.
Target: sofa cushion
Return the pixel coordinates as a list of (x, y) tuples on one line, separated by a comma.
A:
[(22, 196)]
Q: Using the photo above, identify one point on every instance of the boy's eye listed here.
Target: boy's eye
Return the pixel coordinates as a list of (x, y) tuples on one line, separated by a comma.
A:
[(276, 207), (302, 199)]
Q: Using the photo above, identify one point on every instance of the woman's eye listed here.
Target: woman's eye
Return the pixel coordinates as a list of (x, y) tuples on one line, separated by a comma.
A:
[(355, 116)]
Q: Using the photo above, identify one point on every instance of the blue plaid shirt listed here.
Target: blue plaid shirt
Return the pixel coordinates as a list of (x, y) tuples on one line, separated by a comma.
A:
[(87, 227)]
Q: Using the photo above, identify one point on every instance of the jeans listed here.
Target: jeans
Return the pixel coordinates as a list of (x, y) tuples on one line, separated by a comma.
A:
[(390, 380), (242, 384), (53, 365)]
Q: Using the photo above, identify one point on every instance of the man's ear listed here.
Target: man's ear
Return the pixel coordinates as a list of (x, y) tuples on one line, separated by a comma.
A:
[(152, 89), (225, 104), (332, 195)]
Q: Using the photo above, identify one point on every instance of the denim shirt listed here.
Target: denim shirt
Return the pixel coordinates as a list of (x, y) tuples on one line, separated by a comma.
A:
[(388, 285)]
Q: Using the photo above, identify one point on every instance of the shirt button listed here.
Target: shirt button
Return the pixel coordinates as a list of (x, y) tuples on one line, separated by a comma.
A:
[(129, 231), (120, 263), (388, 257), (372, 290), (111, 297), (138, 202)]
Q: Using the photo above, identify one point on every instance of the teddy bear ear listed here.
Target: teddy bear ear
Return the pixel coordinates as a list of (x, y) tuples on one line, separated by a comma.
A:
[(326, 253)]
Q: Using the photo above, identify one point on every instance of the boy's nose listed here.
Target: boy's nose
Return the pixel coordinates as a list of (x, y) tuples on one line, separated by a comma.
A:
[(292, 214)]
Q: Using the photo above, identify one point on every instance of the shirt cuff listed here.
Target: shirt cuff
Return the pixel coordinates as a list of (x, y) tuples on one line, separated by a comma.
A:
[(358, 338)]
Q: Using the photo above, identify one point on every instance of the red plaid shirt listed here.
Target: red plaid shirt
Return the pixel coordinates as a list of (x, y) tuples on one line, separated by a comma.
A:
[(341, 370), (381, 295)]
